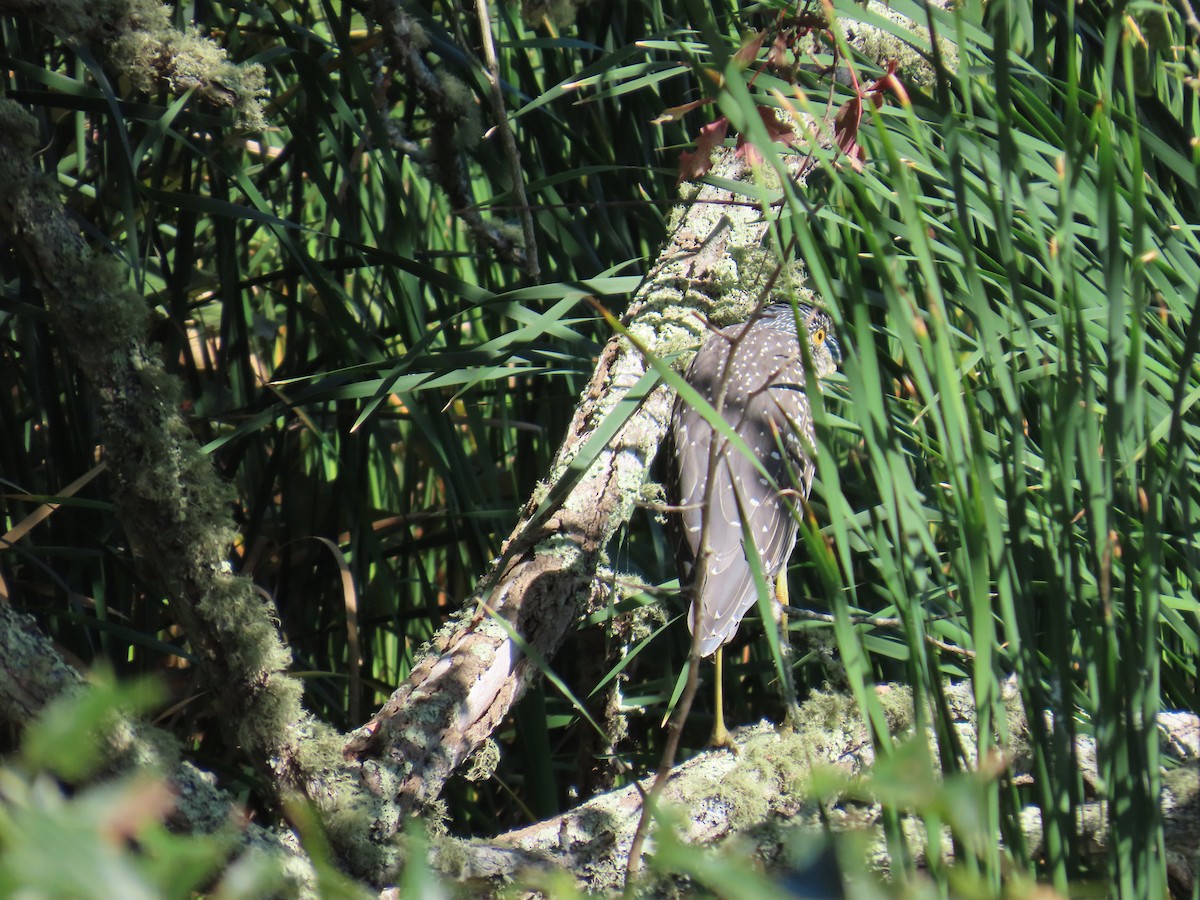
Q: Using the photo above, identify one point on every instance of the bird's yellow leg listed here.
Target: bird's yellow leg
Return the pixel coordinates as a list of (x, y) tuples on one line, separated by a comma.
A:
[(791, 718), (720, 736)]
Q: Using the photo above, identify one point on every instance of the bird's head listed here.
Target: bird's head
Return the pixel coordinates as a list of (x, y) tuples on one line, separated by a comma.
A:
[(822, 341)]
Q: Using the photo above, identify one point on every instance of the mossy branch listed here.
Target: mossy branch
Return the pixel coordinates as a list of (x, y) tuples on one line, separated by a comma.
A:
[(136, 38), (174, 509), (715, 264), (715, 267), (33, 676), (761, 799), (454, 125)]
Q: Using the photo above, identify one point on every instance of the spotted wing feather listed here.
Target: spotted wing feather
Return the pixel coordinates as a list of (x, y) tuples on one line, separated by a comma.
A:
[(755, 374)]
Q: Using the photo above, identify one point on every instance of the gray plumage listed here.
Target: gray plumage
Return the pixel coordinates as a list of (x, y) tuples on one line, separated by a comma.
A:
[(753, 374)]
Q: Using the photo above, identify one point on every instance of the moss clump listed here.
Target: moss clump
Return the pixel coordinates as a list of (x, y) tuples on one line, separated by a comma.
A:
[(560, 13), (484, 761), (155, 54), (459, 104), (1183, 783)]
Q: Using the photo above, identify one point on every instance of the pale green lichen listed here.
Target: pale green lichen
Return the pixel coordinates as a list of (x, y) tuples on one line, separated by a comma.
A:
[(450, 856), (483, 761), (910, 54), (154, 54), (1183, 783)]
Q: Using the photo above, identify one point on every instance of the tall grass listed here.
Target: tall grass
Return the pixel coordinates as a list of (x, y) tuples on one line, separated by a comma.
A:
[(1015, 277), (1007, 463)]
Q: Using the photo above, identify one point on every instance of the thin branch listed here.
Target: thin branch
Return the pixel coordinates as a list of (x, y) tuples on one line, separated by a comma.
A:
[(451, 116), (532, 269)]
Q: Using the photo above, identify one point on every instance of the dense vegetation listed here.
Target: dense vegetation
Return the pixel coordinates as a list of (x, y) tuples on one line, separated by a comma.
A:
[(377, 317)]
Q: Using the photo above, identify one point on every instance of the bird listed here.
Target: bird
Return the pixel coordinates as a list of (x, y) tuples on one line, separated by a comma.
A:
[(753, 375)]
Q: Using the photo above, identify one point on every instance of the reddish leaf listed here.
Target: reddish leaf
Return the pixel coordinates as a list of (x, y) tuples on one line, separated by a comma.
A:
[(776, 129), (746, 150), (849, 117), (777, 55), (845, 131), (695, 164), (889, 82), (748, 52), (779, 131)]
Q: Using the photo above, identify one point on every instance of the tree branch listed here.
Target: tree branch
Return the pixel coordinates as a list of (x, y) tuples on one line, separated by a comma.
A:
[(476, 668), (33, 675), (760, 796), (454, 127), (136, 38), (171, 504)]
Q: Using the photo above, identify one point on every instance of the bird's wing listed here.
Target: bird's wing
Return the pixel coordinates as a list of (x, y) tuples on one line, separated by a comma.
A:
[(765, 403), (727, 584)]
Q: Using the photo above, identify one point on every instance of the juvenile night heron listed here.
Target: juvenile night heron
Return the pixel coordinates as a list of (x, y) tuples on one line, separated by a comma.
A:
[(753, 375)]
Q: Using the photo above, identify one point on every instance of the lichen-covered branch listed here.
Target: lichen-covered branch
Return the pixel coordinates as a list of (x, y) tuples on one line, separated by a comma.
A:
[(174, 509), (715, 266), (477, 666), (760, 796), (137, 39), (33, 675), (756, 792), (454, 128)]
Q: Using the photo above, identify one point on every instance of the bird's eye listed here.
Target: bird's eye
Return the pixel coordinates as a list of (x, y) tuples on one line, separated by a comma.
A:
[(819, 336)]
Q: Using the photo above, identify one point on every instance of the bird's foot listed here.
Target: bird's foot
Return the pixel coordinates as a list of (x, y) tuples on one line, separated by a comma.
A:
[(791, 718), (721, 739)]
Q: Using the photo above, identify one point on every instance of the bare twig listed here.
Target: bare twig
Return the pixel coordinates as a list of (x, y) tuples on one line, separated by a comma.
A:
[(532, 268), (404, 41)]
